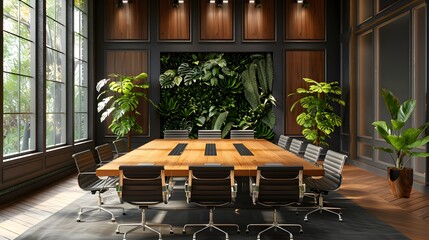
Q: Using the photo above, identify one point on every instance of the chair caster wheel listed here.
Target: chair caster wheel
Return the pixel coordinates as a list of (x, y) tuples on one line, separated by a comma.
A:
[(171, 232), (117, 232), (341, 220), (113, 220), (305, 220), (77, 220), (183, 232), (247, 230), (123, 213), (238, 231), (301, 231)]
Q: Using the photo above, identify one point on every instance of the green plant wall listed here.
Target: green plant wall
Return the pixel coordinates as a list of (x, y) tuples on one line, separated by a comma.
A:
[(217, 91)]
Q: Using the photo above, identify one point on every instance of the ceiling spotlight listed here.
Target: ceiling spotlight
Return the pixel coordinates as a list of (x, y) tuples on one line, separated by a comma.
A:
[(177, 2), (219, 2)]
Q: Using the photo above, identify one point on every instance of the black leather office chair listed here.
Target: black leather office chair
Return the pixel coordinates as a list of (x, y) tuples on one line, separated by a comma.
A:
[(120, 147), (105, 153), (331, 181), (143, 186), (176, 134), (211, 186), (277, 186), (284, 142), (88, 181), (242, 134)]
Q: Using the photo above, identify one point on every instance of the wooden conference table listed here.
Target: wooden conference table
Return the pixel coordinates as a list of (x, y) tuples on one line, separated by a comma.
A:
[(178, 154)]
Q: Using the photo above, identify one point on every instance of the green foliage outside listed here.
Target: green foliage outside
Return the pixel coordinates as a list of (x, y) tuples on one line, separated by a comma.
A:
[(402, 141), (217, 91), (318, 118)]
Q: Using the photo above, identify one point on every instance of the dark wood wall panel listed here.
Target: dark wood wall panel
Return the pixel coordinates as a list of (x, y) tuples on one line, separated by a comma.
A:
[(259, 22), (216, 23), (127, 22), (174, 22), (305, 23), (299, 65), (130, 63)]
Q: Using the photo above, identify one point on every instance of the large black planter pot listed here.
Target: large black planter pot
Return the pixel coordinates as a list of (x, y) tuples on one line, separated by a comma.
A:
[(400, 181)]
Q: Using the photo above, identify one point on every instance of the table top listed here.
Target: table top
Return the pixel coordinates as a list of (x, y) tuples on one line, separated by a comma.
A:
[(157, 152)]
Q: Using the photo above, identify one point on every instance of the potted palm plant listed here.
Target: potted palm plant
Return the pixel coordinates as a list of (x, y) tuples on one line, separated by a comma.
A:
[(126, 93), (318, 118), (402, 141)]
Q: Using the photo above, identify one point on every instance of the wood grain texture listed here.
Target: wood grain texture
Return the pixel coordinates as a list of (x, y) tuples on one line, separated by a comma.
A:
[(130, 63), (259, 23), (216, 23), (305, 23), (300, 64), (174, 22), (129, 22), (157, 151)]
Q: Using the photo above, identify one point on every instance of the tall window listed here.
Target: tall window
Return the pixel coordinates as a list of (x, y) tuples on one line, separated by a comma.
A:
[(18, 76), (80, 69), (55, 72)]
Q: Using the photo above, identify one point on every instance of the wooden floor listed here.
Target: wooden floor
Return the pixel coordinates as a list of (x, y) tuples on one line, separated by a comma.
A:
[(409, 216)]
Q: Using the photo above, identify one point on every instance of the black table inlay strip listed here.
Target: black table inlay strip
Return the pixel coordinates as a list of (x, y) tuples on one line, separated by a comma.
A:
[(210, 149), (243, 150), (178, 149)]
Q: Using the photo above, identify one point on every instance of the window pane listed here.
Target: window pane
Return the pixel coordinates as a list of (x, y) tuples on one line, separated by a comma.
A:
[(55, 129), (55, 97), (80, 70), (10, 91), (394, 61), (366, 85), (18, 77)]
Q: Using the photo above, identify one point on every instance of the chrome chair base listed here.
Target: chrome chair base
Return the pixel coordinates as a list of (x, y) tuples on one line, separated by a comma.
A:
[(78, 219), (275, 225), (144, 225), (100, 208), (210, 226), (321, 208)]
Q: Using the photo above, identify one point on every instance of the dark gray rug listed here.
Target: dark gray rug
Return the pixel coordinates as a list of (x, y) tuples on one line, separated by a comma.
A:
[(357, 224)]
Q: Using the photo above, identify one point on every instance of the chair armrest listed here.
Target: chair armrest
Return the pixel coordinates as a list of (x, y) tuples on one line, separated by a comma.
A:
[(188, 192), (165, 193), (234, 191)]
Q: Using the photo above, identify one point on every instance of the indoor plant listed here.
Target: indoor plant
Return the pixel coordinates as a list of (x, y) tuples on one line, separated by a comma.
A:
[(318, 118), (126, 93), (402, 142)]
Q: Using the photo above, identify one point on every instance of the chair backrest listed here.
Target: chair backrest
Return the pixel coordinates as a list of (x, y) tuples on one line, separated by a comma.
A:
[(86, 167), (211, 185), (209, 134), (312, 153), (296, 146), (85, 161), (284, 142), (105, 153), (142, 185), (242, 134), (333, 166), (278, 185), (120, 146), (176, 134)]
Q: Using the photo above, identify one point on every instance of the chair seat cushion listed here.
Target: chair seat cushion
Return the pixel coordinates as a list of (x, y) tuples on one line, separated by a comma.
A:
[(320, 184)]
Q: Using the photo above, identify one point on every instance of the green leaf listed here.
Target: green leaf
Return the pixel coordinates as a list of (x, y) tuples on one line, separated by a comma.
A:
[(388, 150), (220, 120), (397, 125), (406, 110), (391, 102)]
